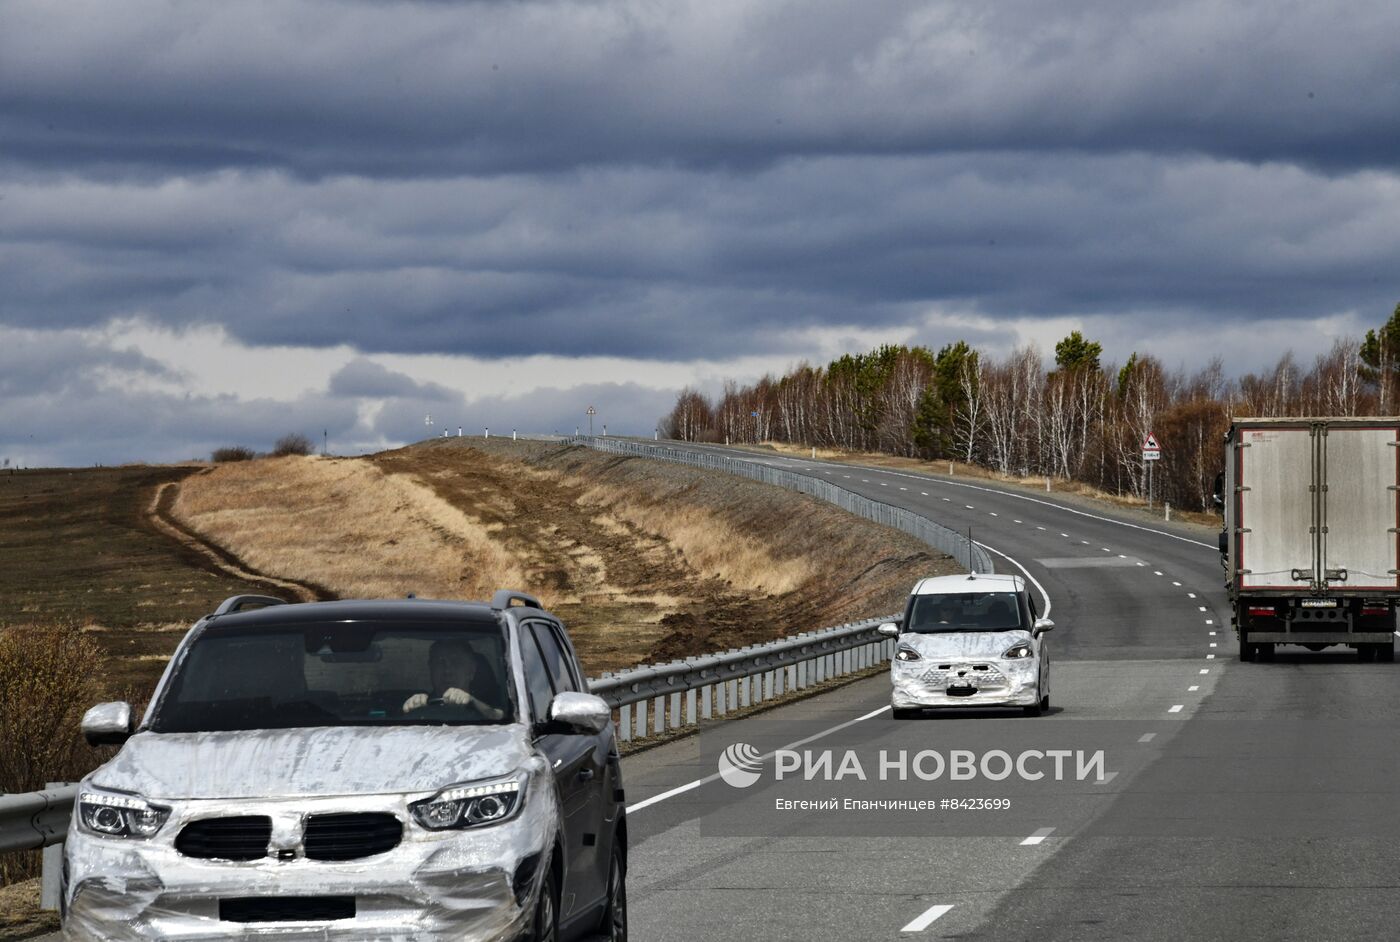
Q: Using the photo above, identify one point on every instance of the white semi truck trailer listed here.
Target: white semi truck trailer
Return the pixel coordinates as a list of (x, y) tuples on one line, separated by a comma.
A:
[(1312, 533)]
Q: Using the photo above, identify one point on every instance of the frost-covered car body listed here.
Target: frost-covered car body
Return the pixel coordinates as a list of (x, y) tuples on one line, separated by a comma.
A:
[(970, 641), (351, 816)]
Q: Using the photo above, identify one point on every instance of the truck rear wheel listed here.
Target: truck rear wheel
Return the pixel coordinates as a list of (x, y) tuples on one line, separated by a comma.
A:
[(1385, 653), (1248, 651)]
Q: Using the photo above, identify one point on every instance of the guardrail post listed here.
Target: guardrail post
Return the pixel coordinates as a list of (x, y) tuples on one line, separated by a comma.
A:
[(641, 719), (705, 696), (624, 723), (675, 710), (658, 709), (690, 717)]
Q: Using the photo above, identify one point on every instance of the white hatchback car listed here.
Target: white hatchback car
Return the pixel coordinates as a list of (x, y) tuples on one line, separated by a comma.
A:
[(970, 641)]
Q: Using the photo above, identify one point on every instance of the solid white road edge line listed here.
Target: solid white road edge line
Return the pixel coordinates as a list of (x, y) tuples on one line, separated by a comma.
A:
[(691, 786), (1043, 594)]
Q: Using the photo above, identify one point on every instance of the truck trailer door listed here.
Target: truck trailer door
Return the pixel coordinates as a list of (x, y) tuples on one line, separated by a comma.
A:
[(1275, 468), (1359, 507)]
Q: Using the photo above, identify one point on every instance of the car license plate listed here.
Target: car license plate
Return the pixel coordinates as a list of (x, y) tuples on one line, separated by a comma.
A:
[(1318, 603)]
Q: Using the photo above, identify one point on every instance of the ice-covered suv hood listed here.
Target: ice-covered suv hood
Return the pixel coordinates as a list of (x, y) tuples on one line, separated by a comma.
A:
[(963, 644), (313, 762)]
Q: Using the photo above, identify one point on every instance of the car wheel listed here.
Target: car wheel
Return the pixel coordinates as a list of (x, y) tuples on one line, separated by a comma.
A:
[(899, 714), (1045, 703), (614, 924), (546, 923), (1036, 708)]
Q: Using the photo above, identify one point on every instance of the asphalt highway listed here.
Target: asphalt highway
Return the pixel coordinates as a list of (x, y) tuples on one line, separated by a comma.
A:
[(1247, 801)]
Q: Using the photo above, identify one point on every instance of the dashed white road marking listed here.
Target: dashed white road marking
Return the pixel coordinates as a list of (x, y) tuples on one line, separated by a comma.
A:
[(1212, 634), (1147, 737), (1192, 689), (1040, 528), (1038, 837), (1065, 535), (991, 513), (1205, 670), (1085, 542), (1177, 708), (925, 493), (969, 507), (1190, 595), (1178, 584), (1204, 609), (1105, 549), (1156, 572), (1210, 621), (1212, 644), (1210, 657), (926, 919), (1015, 521)]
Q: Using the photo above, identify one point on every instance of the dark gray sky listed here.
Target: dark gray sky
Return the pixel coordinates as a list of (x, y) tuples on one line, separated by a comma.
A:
[(222, 222)]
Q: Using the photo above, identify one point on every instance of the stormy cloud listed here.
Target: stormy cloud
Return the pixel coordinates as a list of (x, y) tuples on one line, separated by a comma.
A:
[(657, 185)]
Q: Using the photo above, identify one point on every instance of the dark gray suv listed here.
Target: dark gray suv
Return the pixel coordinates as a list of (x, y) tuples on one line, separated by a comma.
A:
[(356, 770)]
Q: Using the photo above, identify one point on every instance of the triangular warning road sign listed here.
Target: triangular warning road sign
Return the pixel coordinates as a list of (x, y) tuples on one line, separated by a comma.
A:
[(1150, 443)]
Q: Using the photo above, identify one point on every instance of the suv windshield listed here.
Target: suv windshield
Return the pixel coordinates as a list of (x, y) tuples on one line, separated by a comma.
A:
[(343, 674), (965, 611)]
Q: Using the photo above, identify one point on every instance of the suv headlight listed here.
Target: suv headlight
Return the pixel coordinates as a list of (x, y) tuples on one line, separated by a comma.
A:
[(1019, 650), (907, 654), (120, 815), (472, 804)]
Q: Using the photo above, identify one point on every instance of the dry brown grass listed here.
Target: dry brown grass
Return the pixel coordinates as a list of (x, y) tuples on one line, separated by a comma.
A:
[(47, 681), (347, 525), (711, 546)]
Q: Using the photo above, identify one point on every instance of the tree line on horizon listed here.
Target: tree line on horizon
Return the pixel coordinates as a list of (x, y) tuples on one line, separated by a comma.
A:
[(1076, 419)]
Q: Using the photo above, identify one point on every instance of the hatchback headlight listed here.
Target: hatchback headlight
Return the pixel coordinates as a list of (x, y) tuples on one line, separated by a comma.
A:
[(472, 804), (907, 654), (120, 815), (1019, 650)]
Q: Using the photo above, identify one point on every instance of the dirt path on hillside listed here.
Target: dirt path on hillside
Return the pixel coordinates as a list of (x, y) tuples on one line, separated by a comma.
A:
[(158, 515)]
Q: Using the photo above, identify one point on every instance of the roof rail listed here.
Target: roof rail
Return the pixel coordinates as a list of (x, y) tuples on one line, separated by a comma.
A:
[(236, 603), (502, 599)]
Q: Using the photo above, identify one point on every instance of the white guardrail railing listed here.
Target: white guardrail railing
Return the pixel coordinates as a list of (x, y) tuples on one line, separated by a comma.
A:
[(969, 555)]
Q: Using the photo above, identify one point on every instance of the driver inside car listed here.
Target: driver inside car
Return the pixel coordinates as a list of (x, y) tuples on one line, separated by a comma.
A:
[(453, 666)]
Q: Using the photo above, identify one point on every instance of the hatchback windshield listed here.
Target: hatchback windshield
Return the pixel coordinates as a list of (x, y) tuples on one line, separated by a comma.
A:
[(964, 611), (345, 674)]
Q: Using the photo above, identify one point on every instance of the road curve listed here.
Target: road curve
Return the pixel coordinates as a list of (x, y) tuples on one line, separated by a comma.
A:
[(1257, 806)]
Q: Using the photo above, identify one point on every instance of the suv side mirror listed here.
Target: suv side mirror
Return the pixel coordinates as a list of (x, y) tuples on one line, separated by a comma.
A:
[(580, 713), (107, 724), (1042, 625), (889, 629)]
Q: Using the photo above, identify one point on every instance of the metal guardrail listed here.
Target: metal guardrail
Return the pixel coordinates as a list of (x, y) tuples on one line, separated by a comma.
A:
[(968, 555), (31, 820), (685, 693)]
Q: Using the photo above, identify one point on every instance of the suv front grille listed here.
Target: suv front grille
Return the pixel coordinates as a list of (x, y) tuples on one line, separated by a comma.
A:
[(287, 909), (350, 836), (238, 838)]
